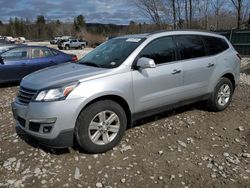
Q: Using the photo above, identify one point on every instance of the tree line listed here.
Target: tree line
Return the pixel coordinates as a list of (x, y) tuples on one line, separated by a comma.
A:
[(197, 14), (45, 29), (162, 14), (40, 28)]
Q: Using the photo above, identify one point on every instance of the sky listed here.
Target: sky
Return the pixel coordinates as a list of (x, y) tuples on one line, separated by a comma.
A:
[(94, 11)]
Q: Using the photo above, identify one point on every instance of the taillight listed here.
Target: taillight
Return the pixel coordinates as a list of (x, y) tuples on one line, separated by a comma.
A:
[(74, 58), (238, 55)]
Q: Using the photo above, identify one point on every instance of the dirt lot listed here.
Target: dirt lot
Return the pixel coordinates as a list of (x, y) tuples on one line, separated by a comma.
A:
[(187, 147)]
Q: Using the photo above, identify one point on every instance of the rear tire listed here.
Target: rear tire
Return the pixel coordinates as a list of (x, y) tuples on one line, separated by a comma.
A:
[(222, 95), (82, 46), (67, 47), (108, 123)]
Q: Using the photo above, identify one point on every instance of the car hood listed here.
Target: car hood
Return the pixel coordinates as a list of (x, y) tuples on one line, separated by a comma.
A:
[(60, 74)]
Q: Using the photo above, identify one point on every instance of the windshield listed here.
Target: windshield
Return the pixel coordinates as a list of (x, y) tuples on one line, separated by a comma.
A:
[(112, 53)]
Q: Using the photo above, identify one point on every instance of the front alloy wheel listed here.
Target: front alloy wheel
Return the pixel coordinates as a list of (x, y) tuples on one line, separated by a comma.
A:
[(104, 127), (100, 126)]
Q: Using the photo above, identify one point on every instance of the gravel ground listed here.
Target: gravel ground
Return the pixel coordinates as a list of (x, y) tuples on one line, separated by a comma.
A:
[(187, 147)]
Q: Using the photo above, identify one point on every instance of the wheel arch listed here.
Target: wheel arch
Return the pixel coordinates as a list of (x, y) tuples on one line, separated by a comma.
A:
[(230, 76), (116, 98)]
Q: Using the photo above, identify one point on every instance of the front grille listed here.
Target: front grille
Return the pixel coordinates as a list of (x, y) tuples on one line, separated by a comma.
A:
[(25, 95), (35, 127)]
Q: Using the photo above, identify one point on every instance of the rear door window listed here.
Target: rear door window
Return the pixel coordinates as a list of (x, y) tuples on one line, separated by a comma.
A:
[(40, 53), (161, 50), (190, 46), (214, 45), (15, 54)]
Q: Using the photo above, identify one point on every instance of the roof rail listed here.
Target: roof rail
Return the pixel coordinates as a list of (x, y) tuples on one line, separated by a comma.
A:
[(195, 30), (155, 32)]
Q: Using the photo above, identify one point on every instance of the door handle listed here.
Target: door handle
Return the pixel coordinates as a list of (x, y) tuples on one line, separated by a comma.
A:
[(175, 71), (210, 65)]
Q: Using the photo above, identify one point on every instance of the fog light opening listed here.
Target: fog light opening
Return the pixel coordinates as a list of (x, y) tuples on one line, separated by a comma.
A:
[(47, 129)]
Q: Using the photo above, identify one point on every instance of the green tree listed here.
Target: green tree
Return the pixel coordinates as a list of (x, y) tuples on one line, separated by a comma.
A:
[(40, 20), (58, 22), (16, 26), (79, 23), (1, 23), (22, 27), (10, 29), (40, 24), (132, 22), (248, 22)]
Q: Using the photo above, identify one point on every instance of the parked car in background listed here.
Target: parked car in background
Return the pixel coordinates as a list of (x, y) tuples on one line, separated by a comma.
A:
[(63, 38), (9, 39), (5, 45), (23, 60), (72, 43), (55, 40), (66, 37), (122, 80), (21, 39)]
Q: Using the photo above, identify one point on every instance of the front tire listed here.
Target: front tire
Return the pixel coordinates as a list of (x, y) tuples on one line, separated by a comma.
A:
[(100, 126), (222, 95)]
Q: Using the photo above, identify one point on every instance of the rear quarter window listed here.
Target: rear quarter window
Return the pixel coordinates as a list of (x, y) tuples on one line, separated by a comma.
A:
[(190, 46), (214, 45)]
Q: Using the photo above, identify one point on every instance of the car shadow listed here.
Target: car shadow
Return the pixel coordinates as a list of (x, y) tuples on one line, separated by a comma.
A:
[(195, 106), (13, 84), (60, 151), (246, 71)]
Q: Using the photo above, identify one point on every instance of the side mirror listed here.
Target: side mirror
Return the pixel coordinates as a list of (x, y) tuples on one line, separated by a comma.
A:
[(144, 63)]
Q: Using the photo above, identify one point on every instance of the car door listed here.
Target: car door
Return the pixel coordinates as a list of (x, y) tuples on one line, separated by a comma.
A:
[(162, 85), (197, 66), (13, 64), (41, 57), (74, 44)]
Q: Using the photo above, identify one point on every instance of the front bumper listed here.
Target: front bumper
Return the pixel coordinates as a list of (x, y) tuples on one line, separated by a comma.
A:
[(63, 140), (50, 123)]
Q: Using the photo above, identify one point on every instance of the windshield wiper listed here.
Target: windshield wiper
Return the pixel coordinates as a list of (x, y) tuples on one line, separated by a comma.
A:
[(90, 64)]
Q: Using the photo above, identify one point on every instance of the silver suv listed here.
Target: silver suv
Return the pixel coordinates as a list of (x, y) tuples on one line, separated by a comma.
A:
[(95, 100), (72, 43)]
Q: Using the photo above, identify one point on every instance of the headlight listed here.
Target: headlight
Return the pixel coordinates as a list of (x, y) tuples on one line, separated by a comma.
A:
[(56, 93)]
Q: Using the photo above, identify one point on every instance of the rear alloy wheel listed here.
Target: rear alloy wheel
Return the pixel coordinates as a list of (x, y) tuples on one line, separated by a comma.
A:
[(100, 126), (82, 47), (222, 95)]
